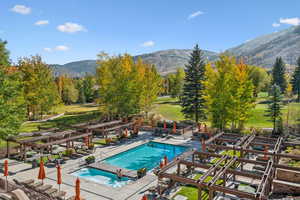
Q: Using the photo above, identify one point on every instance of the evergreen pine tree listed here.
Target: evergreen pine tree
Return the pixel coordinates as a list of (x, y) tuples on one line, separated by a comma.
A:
[(296, 81), (274, 107), (278, 74), (192, 99), (4, 54)]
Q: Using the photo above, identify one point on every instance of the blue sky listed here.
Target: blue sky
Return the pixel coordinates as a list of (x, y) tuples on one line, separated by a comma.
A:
[(69, 30)]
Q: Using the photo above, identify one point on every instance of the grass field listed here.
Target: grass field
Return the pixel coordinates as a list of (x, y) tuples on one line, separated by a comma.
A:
[(170, 109)]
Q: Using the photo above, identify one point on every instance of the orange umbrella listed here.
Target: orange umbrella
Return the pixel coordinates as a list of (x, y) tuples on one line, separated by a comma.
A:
[(59, 181), (77, 189), (42, 174), (6, 168), (161, 164), (144, 197), (6, 172), (165, 126), (165, 160), (203, 145), (174, 127)]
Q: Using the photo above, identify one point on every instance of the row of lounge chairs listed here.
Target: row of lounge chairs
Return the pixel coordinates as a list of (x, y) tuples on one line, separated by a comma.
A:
[(39, 187)]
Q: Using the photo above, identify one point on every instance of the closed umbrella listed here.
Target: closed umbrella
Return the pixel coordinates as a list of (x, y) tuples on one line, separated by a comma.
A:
[(144, 197), (77, 189), (6, 172), (199, 127), (59, 181), (161, 164), (174, 127), (266, 151), (86, 141), (42, 174), (165, 160), (165, 126)]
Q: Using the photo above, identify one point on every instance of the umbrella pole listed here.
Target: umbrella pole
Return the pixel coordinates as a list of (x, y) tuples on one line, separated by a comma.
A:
[(6, 184)]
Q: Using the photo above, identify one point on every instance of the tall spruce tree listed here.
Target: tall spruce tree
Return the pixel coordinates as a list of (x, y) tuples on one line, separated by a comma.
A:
[(278, 74), (274, 107), (296, 81), (192, 99)]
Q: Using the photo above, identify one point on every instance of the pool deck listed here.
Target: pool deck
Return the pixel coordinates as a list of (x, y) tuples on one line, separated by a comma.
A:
[(95, 191), (113, 169)]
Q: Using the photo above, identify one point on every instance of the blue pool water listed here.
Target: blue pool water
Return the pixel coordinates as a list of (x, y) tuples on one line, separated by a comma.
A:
[(102, 177), (147, 156)]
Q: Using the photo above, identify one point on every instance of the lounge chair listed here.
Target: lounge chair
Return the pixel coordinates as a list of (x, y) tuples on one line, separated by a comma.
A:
[(5, 196), (59, 195), (35, 185), (43, 188), (20, 194), (50, 191)]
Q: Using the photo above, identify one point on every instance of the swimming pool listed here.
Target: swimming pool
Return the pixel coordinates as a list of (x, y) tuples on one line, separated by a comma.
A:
[(147, 156), (102, 177)]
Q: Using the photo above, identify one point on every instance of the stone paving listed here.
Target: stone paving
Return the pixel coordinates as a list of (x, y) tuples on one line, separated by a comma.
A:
[(92, 190)]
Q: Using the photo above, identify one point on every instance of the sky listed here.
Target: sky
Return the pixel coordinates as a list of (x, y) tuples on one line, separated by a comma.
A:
[(62, 31)]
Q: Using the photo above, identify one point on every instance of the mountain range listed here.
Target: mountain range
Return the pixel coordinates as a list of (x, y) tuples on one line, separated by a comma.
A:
[(261, 51)]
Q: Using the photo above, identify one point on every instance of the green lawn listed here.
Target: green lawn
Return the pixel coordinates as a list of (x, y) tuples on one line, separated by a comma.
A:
[(191, 192), (170, 109)]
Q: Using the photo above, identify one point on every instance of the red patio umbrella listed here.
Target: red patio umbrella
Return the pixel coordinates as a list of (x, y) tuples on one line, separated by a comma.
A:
[(77, 189), (6, 172), (165, 126), (59, 181), (42, 173), (174, 127), (161, 164), (144, 197), (165, 160), (203, 145)]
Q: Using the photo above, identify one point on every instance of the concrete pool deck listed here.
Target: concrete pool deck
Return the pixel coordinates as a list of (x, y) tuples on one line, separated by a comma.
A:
[(92, 190)]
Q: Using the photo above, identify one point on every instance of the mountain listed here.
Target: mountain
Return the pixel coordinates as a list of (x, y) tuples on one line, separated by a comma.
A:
[(262, 51), (166, 61)]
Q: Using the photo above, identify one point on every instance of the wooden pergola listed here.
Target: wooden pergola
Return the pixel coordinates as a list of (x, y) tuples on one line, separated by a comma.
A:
[(227, 168), (46, 141)]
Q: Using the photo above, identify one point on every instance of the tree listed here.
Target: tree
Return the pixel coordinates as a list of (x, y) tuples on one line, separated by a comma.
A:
[(12, 108), (259, 78), (274, 107), (88, 88), (296, 81), (242, 96), (40, 91), (176, 82), (4, 54), (192, 99), (278, 74), (126, 87)]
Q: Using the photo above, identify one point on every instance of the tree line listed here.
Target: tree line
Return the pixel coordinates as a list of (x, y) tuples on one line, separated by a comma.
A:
[(224, 91)]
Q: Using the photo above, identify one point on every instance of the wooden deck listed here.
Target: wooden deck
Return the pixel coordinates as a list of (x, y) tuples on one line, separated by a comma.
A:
[(113, 169)]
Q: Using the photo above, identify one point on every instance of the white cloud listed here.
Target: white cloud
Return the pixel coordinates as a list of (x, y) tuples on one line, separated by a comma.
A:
[(148, 44), (21, 9), (61, 48), (70, 27), (47, 49), (195, 14), (41, 22), (275, 24), (291, 21)]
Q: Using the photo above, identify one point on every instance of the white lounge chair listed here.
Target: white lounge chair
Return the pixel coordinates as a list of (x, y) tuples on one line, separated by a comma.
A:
[(20, 194)]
